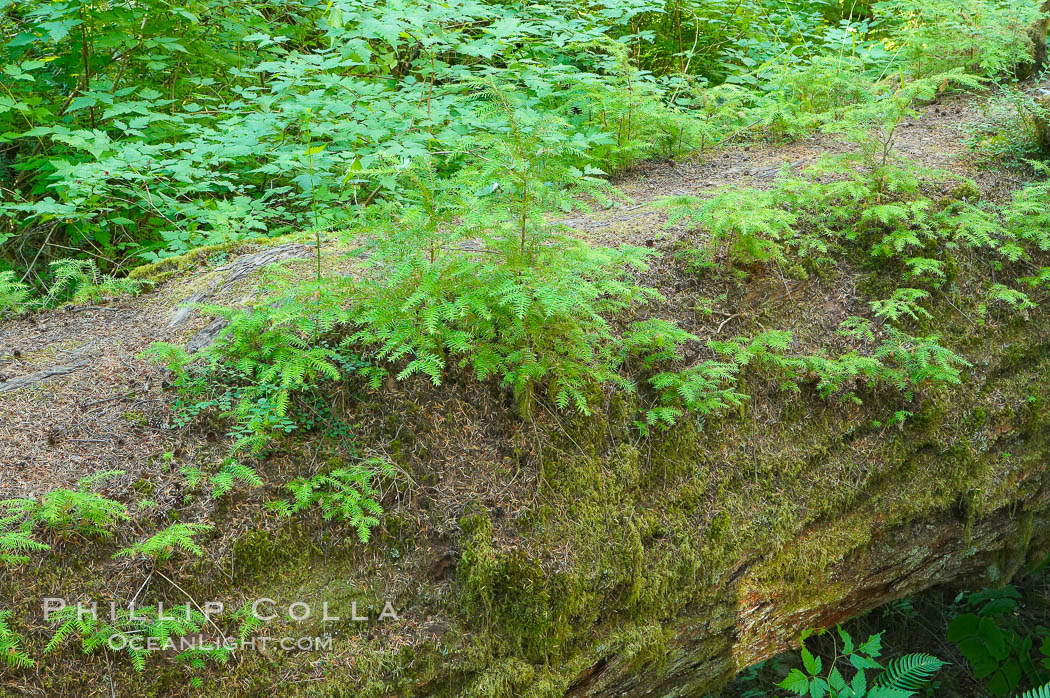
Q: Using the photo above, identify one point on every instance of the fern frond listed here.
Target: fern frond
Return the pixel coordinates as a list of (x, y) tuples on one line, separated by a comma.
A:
[(910, 673), (1038, 692)]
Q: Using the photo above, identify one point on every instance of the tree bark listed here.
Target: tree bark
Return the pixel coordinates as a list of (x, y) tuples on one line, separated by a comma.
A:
[(717, 641)]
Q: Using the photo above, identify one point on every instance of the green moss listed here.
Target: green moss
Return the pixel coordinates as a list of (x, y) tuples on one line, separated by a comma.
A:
[(642, 647), (157, 271), (967, 190), (676, 452), (135, 417), (511, 595), (261, 553)]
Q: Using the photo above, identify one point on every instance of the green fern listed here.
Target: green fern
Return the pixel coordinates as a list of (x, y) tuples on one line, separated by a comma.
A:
[(349, 494), (15, 542), (903, 303), (162, 546), (231, 472), (79, 281), (67, 511), (137, 632), (544, 323), (14, 295), (901, 678), (704, 389), (910, 673), (11, 653), (746, 225), (1039, 692), (1011, 297)]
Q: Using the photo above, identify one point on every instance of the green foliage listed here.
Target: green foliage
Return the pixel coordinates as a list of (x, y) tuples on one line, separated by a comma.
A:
[(1003, 651), (16, 541), (67, 512), (79, 281), (701, 389), (544, 322), (746, 225), (874, 125), (161, 546), (193, 475), (705, 388), (1040, 692), (1009, 131), (136, 632), (261, 361), (229, 474), (901, 677), (977, 35), (14, 295), (143, 132), (349, 494), (213, 142), (11, 653), (16, 532), (905, 302), (873, 205)]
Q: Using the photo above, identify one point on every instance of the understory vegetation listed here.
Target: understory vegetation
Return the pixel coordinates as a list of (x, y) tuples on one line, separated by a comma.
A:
[(997, 639), (436, 158)]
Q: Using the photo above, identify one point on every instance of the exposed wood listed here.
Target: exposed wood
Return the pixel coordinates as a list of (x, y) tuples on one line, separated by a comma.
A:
[(41, 376)]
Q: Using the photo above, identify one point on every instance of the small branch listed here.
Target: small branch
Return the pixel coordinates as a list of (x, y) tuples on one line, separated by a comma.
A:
[(207, 617)]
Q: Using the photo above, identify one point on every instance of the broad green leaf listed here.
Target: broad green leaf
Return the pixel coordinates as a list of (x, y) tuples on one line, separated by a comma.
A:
[(796, 682)]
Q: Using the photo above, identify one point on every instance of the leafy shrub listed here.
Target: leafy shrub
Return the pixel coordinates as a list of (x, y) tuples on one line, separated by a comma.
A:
[(900, 678), (199, 155), (1009, 132), (981, 36), (1002, 652)]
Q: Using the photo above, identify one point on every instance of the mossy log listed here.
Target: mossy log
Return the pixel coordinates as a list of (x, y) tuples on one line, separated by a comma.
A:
[(1038, 34), (710, 574), (706, 649), (568, 556), (1042, 127)]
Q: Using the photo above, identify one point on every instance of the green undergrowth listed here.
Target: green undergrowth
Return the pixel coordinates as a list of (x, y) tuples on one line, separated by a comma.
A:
[(670, 479)]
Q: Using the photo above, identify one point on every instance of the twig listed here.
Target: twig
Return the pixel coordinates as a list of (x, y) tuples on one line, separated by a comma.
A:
[(719, 330), (148, 578), (949, 300), (207, 617), (79, 308)]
